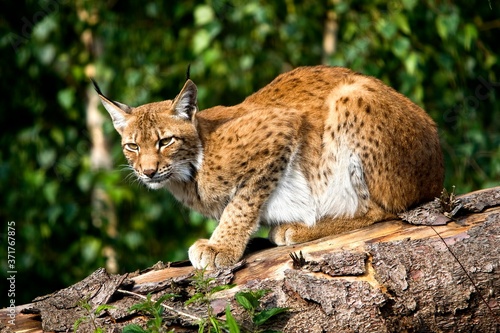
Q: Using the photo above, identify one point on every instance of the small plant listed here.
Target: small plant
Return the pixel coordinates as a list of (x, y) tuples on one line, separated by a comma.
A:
[(449, 202), (203, 295), (250, 301), (155, 310), (91, 315), (204, 291)]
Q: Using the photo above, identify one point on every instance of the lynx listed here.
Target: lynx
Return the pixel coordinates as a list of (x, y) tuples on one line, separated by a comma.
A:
[(318, 151)]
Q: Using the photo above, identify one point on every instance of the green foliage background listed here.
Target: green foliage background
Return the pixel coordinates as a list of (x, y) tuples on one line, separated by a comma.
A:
[(442, 54)]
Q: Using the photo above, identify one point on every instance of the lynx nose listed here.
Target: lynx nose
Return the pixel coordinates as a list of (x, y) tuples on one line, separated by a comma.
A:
[(149, 172)]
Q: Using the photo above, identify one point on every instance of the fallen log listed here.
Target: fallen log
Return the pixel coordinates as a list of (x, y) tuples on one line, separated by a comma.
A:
[(439, 274)]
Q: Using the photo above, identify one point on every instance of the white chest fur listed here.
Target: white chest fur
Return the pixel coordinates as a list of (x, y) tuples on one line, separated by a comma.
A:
[(344, 193), (291, 201)]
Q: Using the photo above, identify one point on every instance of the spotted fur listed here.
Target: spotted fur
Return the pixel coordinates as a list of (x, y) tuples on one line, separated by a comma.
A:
[(318, 151)]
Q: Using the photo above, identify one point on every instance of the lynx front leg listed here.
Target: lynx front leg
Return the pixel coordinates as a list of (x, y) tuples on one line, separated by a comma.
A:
[(295, 233), (238, 222), (227, 244), (265, 163)]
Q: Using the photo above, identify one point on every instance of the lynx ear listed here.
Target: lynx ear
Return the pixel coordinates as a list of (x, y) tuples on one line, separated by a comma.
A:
[(119, 112), (185, 104)]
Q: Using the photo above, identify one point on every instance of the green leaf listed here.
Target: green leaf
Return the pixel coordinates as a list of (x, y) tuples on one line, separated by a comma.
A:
[(400, 47), (386, 28), (66, 97), (441, 27), (411, 63), (447, 24), (220, 288), (102, 308), (160, 310), (155, 322), (47, 157), (260, 293), (201, 326), (263, 316), (50, 192), (196, 297), (231, 322), (84, 304), (402, 23), (409, 4), (164, 298), (203, 14), (470, 34), (201, 40), (247, 300), (215, 324), (139, 307), (78, 322), (57, 135), (133, 328), (146, 306)]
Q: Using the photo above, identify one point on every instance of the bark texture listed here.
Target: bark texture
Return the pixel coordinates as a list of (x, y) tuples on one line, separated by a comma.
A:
[(439, 274)]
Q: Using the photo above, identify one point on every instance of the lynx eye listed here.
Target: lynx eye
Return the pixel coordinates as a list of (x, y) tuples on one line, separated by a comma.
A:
[(166, 142), (132, 146)]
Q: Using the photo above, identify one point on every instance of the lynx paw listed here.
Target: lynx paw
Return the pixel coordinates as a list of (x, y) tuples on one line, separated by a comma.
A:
[(202, 255), (287, 234)]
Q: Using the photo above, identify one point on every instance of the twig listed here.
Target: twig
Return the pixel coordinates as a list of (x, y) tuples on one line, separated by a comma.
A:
[(169, 308), (468, 276)]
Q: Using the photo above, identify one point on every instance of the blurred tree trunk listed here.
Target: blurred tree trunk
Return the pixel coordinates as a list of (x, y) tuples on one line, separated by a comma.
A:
[(442, 275), (103, 209), (330, 35)]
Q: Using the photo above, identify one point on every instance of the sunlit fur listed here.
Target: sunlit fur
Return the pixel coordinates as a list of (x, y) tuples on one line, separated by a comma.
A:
[(318, 151)]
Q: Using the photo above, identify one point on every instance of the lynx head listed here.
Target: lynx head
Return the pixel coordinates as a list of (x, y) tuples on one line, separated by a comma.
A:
[(159, 140)]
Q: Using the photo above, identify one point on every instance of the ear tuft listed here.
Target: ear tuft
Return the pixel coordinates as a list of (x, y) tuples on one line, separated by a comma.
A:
[(96, 86), (119, 112), (188, 72), (185, 104)]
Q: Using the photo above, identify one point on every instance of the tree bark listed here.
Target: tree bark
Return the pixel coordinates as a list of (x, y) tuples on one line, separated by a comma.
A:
[(442, 275)]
